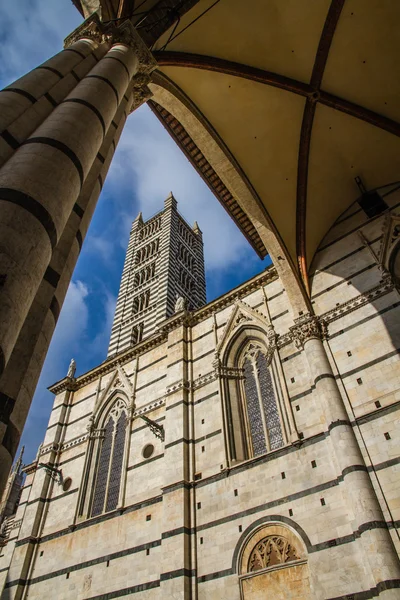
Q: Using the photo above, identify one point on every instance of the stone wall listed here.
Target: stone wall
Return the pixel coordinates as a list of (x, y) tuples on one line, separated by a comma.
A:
[(188, 511)]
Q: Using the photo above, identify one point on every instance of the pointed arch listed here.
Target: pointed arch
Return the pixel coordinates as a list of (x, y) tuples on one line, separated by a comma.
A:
[(103, 483), (271, 560), (258, 415)]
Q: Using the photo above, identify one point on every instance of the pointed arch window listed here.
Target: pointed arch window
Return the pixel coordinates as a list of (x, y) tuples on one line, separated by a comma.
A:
[(260, 404), (106, 454)]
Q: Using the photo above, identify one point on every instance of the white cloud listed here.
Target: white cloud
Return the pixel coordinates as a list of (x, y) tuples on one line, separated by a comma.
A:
[(149, 163), (31, 31)]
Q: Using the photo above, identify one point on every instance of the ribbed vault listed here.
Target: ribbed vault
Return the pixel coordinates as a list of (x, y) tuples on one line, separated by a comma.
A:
[(303, 94)]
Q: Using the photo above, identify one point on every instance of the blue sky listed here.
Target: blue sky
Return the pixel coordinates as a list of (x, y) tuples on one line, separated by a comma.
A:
[(146, 167)]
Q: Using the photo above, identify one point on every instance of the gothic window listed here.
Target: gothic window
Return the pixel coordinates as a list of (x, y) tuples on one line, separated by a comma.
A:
[(274, 562), (110, 442), (260, 404)]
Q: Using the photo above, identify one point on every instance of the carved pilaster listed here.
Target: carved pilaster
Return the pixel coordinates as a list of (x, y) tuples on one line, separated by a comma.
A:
[(308, 327)]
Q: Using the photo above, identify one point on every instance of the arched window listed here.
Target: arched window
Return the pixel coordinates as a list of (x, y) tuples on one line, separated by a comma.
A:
[(260, 404), (111, 453), (105, 459), (274, 560), (258, 416)]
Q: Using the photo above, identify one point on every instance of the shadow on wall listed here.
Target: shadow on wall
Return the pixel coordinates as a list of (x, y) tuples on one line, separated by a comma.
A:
[(355, 279)]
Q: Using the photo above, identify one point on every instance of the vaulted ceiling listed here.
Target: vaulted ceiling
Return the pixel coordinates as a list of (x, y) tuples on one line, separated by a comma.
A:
[(303, 95)]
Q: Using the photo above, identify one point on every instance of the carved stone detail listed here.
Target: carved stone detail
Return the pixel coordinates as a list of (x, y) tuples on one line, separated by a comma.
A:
[(53, 447), (152, 406), (308, 327), (176, 387), (155, 428), (127, 34), (140, 91), (91, 29), (74, 442), (272, 551)]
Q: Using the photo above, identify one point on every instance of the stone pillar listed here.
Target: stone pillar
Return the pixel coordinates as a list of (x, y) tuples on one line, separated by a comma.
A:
[(175, 566), (49, 189), (366, 515), (43, 482)]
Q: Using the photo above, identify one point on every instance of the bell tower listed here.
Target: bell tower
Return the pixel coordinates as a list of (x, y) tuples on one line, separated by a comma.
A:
[(163, 272)]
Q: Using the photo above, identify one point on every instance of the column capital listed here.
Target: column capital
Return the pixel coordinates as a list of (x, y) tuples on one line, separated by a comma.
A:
[(128, 35), (91, 29), (308, 327)]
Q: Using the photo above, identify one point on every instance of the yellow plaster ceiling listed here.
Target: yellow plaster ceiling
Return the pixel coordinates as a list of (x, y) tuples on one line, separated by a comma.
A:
[(264, 139), (349, 49), (276, 35)]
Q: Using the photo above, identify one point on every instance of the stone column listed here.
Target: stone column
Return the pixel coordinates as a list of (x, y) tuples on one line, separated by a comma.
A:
[(175, 567), (49, 189), (366, 514), (43, 483), (19, 380)]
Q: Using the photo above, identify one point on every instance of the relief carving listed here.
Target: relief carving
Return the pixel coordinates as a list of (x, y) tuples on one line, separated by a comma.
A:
[(272, 551), (308, 327)]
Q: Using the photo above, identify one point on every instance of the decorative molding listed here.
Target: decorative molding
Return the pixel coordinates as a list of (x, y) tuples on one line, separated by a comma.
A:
[(74, 442), (90, 29), (16, 524), (183, 384), (346, 308), (242, 314), (228, 372), (149, 407), (52, 447), (204, 379), (308, 327)]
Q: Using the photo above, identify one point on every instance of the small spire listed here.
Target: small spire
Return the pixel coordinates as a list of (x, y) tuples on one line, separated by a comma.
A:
[(196, 227), (18, 464)]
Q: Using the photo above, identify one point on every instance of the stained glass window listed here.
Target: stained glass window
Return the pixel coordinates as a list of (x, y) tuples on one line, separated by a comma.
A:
[(103, 468), (254, 411), (109, 468), (272, 421), (261, 405), (116, 464)]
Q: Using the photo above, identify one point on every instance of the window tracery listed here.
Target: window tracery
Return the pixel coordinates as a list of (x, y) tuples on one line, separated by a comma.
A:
[(271, 551), (261, 407), (107, 452)]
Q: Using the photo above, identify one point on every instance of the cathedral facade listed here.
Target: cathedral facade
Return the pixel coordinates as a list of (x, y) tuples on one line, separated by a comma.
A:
[(237, 450)]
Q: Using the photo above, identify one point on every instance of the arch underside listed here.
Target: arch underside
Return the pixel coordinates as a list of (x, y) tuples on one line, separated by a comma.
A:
[(300, 96)]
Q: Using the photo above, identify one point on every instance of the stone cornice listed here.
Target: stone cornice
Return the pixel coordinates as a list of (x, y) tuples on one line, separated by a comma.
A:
[(182, 318), (188, 319)]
